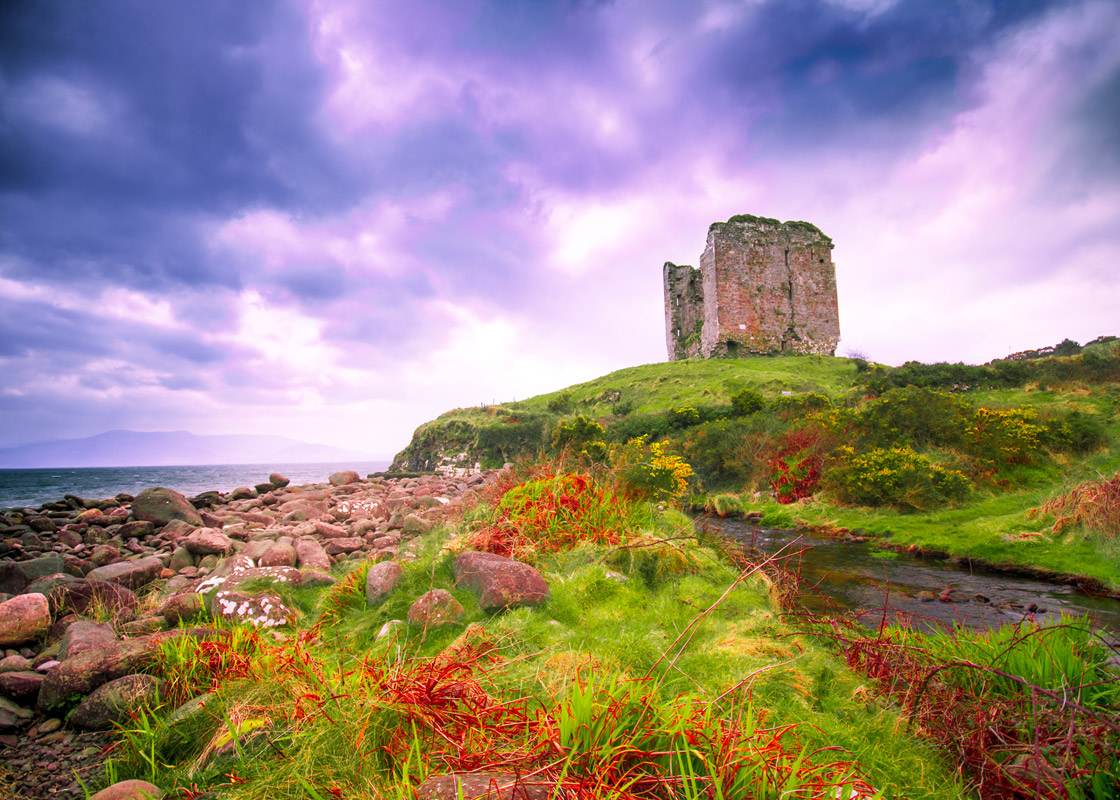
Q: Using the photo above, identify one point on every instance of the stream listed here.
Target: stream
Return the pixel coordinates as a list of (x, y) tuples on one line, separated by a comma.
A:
[(923, 592)]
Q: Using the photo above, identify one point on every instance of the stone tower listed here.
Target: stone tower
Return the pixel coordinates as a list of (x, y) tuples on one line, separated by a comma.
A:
[(763, 288)]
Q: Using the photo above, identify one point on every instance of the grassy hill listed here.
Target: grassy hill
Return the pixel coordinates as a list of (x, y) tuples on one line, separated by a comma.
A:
[(995, 443)]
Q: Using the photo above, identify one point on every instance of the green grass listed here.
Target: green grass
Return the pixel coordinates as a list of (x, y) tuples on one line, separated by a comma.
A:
[(311, 715)]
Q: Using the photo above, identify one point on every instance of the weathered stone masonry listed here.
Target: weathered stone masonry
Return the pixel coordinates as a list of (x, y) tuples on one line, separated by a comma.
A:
[(763, 288)]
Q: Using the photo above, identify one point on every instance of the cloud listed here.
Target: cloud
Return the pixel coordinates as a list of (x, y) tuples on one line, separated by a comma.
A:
[(336, 220)]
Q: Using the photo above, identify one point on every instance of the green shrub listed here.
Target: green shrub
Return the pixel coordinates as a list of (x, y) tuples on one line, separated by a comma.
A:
[(683, 417), (896, 477), (1081, 432), (577, 433), (799, 405), (728, 452), (746, 402), (561, 403), (652, 425), (918, 416), (1004, 436)]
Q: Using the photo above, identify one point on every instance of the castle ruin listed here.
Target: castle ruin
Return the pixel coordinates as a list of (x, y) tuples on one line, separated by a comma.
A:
[(763, 288)]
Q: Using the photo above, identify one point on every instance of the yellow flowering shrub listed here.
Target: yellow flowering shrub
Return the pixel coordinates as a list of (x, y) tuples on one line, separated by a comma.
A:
[(895, 476), (650, 470)]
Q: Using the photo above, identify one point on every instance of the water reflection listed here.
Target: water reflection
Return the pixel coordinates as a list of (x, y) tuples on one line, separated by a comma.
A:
[(881, 584)]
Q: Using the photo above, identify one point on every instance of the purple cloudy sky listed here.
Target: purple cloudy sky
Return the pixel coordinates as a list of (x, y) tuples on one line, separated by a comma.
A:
[(335, 220)]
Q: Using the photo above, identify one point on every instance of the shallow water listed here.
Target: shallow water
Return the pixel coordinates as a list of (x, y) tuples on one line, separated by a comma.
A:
[(874, 582)]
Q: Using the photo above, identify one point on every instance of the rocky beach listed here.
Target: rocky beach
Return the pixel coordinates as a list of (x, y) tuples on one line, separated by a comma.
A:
[(90, 588)]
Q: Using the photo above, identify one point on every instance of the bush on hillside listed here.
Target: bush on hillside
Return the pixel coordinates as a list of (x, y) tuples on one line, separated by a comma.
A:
[(1074, 432), (576, 434), (746, 402), (800, 405), (896, 477), (728, 452)]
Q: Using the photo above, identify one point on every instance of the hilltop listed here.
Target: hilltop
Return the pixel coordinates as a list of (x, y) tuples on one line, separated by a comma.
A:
[(971, 454)]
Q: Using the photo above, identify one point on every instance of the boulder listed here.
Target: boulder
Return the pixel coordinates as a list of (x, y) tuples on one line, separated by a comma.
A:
[(24, 619), (140, 528), (328, 531), (77, 597), (261, 610), (311, 555), (314, 579), (344, 478), (499, 582), (277, 480), (433, 608), (15, 576), (116, 700), (279, 555), (83, 636), (243, 493), (21, 686), (129, 790), (104, 554), (160, 506), (347, 544), (414, 524), (381, 580), (185, 607), (208, 541), (482, 786), (130, 574), (82, 674), (181, 558), (13, 716)]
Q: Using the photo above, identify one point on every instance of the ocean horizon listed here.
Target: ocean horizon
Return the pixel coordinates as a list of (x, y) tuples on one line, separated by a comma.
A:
[(30, 488)]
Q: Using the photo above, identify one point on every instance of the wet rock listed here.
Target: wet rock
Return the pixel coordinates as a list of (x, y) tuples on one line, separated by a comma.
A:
[(482, 786), (433, 608), (499, 582), (24, 619), (116, 700), (83, 636), (130, 790), (130, 574), (208, 541), (160, 506), (381, 580)]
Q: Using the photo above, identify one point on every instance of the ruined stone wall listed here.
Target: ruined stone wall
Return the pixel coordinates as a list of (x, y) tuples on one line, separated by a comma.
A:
[(684, 310), (766, 288)]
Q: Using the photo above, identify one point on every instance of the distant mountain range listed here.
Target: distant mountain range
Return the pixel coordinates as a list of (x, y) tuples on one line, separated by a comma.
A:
[(169, 448)]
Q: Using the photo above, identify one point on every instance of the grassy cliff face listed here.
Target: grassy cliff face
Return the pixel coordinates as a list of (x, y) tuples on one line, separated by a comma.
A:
[(948, 457)]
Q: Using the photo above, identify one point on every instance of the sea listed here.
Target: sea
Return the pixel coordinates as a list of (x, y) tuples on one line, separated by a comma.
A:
[(30, 488)]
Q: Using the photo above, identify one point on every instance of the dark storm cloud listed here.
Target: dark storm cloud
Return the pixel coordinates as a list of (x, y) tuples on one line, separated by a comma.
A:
[(126, 127), (816, 74)]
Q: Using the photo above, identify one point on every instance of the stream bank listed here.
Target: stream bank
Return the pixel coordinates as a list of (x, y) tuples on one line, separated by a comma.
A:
[(923, 591)]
